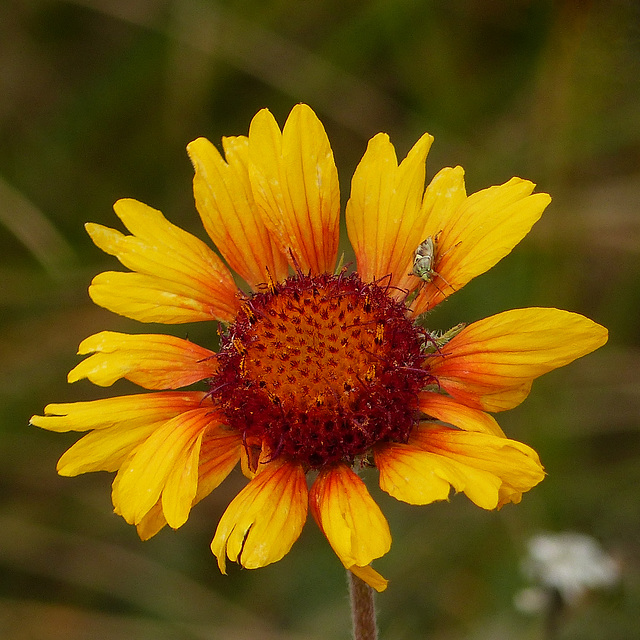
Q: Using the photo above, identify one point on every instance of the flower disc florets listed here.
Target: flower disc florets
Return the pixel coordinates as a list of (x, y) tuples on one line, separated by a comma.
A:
[(321, 368)]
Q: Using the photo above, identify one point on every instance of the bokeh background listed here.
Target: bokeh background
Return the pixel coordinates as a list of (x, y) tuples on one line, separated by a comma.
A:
[(98, 99)]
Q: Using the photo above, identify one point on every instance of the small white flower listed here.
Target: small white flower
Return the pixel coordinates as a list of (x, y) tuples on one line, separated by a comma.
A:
[(571, 563)]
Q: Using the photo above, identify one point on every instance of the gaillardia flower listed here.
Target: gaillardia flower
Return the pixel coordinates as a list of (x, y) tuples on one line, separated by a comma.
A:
[(321, 371)]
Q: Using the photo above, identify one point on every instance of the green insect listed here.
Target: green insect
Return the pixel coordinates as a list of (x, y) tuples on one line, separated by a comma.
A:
[(423, 259)]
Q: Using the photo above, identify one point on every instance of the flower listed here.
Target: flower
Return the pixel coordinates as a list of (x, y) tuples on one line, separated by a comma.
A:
[(320, 371), (568, 563)]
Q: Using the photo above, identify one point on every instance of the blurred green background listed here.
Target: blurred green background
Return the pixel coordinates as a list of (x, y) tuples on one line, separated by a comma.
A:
[(98, 99)]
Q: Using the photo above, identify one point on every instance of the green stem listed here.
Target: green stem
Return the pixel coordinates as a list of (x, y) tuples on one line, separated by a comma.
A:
[(363, 610)]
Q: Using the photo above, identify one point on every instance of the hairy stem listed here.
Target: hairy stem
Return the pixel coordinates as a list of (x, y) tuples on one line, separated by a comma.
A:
[(363, 611)]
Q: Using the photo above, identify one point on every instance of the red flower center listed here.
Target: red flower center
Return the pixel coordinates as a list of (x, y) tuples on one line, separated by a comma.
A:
[(321, 368)]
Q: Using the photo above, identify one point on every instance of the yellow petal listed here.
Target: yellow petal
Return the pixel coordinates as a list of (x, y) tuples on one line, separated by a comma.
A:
[(127, 412), (514, 463), (178, 269), (165, 464), (105, 449), (478, 233), (459, 415), (349, 517), (370, 576), (146, 299), (150, 360), (264, 519), (152, 522), (490, 364), (229, 214), (443, 197), (490, 470), (295, 186), (181, 484), (219, 453), (383, 216), (412, 475)]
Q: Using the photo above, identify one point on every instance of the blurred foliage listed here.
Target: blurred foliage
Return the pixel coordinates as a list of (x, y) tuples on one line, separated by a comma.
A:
[(98, 99)]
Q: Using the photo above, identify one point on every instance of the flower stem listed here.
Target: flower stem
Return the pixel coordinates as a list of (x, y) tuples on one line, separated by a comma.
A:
[(363, 611)]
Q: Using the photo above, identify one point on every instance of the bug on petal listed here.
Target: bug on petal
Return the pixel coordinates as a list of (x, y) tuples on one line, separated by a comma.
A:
[(423, 259)]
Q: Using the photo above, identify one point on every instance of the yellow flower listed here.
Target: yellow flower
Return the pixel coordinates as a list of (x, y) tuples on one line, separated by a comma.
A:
[(320, 372)]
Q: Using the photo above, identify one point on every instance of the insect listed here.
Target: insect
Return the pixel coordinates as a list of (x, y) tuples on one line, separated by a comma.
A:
[(423, 259), (424, 262)]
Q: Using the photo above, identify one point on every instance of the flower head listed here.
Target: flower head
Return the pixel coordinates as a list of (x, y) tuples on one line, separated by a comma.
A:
[(320, 371)]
